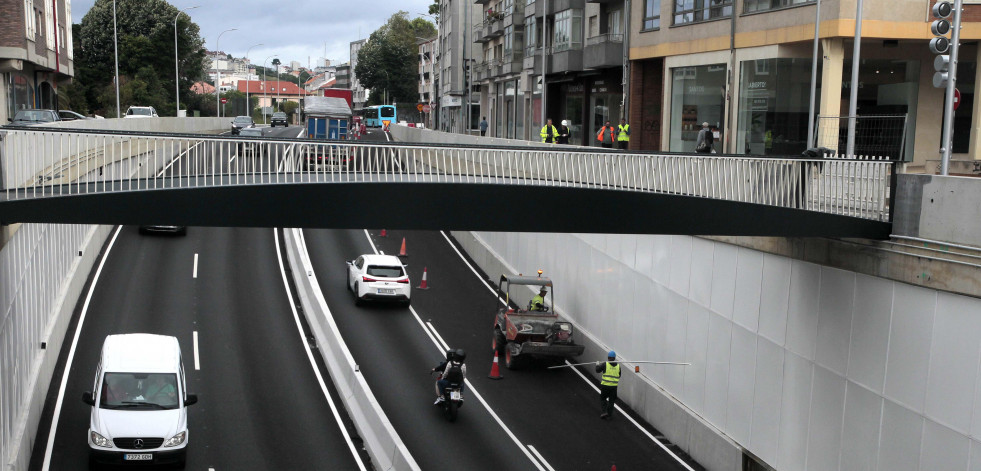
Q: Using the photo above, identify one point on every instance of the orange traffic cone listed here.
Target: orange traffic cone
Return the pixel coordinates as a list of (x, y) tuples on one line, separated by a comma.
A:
[(495, 369), (402, 251), (383, 233), (423, 284)]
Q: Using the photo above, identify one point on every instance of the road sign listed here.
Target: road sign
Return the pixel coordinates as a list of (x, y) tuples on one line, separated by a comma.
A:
[(426, 108), (224, 100), (957, 98), (419, 107)]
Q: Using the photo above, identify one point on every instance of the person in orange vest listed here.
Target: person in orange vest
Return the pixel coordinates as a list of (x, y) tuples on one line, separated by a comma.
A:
[(606, 135)]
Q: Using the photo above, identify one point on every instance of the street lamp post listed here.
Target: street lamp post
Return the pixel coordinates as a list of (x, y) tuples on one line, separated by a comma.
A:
[(218, 75), (264, 69), (248, 104), (115, 46), (177, 77)]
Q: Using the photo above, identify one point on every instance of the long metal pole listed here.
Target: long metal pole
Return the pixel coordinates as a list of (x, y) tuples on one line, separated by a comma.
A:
[(814, 73), (248, 104), (625, 80), (948, 136), (264, 68), (177, 76), (218, 75), (115, 44), (545, 55), (853, 92)]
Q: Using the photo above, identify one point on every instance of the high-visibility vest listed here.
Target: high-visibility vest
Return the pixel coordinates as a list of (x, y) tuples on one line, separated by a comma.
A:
[(611, 377), (602, 133), (624, 132), (555, 133)]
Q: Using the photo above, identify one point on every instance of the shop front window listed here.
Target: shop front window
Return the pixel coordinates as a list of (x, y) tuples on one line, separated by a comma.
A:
[(694, 11), (963, 116), (774, 100), (697, 96), (568, 30), (20, 94)]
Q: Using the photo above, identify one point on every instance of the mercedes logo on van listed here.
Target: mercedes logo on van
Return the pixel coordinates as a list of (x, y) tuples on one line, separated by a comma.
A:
[(138, 443)]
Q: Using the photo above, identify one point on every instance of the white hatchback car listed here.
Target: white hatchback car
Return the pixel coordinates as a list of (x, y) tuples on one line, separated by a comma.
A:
[(378, 277), (141, 112)]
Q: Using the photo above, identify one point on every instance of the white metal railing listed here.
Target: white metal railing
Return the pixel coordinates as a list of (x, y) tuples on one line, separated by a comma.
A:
[(40, 163)]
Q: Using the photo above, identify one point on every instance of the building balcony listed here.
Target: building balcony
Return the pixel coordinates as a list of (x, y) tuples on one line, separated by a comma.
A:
[(556, 6), (533, 60), (535, 7), (482, 2), (479, 35), (605, 1), (605, 50), (494, 27), (565, 59), (512, 64), (480, 71)]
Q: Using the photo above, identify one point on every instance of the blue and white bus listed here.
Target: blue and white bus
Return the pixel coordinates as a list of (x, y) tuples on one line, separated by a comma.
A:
[(375, 115)]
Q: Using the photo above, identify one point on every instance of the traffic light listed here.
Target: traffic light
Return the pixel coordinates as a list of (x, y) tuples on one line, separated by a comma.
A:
[(940, 44)]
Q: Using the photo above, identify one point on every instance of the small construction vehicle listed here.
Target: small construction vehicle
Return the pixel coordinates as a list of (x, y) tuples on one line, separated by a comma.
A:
[(522, 330)]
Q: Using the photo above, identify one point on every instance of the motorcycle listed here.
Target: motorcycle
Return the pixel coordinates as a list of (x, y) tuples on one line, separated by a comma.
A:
[(454, 400)]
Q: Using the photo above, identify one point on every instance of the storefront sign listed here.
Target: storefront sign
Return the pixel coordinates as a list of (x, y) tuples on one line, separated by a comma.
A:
[(449, 101), (575, 88), (758, 104)]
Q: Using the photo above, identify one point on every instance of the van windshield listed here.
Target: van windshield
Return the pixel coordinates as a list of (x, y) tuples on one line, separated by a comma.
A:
[(139, 391)]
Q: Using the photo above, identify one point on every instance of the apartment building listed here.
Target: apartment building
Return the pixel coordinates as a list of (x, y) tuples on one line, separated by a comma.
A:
[(569, 52), (456, 51), (745, 67), (342, 75), (358, 91), (427, 74), (35, 54)]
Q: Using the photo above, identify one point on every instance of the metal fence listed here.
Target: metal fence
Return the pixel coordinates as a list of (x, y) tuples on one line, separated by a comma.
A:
[(40, 163), (879, 136)]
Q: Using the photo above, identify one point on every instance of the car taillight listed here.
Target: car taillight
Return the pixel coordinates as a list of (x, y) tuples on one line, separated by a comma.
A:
[(368, 280), (403, 280)]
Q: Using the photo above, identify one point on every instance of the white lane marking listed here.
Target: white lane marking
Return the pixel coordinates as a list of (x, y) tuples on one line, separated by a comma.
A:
[(195, 273), (442, 346), (631, 419), (313, 362), (642, 429), (197, 355), (71, 354), (175, 159), (540, 457)]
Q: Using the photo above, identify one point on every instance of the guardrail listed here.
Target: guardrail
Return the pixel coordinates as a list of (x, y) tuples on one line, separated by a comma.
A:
[(40, 163)]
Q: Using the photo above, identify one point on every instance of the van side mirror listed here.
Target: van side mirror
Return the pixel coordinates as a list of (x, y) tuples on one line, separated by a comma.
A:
[(87, 398), (191, 400)]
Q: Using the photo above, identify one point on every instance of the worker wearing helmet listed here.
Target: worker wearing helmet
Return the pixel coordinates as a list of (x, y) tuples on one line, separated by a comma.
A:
[(538, 302), (608, 384), (453, 370)]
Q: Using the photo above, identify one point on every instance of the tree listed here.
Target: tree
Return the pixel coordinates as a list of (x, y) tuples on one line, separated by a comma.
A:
[(145, 30), (289, 107), (423, 29), (387, 61), (434, 9)]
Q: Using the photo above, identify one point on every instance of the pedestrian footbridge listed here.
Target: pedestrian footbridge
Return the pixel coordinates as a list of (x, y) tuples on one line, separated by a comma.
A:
[(53, 175)]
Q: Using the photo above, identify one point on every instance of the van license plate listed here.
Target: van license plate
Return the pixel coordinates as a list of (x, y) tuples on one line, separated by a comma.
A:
[(386, 291), (137, 457)]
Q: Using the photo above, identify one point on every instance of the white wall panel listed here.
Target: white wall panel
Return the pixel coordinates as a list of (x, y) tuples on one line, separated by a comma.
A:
[(774, 300), (835, 318), (805, 284), (644, 258), (724, 279), (680, 264), (902, 436), (742, 373), (975, 464), (662, 259), (700, 289), (909, 345), (677, 323), (870, 331), (795, 407), (628, 250), (767, 396), (944, 448), (827, 414), (696, 348), (717, 370), (954, 362), (749, 279), (860, 433)]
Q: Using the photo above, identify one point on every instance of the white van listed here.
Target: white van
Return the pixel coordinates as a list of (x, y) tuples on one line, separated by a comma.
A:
[(139, 402)]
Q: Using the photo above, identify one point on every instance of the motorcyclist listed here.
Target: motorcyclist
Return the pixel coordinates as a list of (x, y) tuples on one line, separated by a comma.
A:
[(451, 370)]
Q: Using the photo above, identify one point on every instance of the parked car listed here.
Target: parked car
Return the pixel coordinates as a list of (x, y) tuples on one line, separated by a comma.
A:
[(69, 115), (141, 112), (34, 116), (378, 277), (279, 118), (241, 122)]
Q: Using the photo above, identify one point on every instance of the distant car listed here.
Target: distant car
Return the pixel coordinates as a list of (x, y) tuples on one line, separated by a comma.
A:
[(25, 117), (69, 115), (249, 147), (241, 122), (156, 229), (141, 112), (378, 278), (279, 118)]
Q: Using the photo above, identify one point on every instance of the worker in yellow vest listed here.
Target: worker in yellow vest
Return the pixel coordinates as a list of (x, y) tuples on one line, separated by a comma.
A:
[(623, 134), (608, 384), (549, 133)]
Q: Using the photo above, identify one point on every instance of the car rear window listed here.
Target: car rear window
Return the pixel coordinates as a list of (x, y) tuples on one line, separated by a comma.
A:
[(385, 271)]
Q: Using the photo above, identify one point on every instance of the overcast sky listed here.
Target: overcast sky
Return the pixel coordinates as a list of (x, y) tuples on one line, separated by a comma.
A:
[(297, 30)]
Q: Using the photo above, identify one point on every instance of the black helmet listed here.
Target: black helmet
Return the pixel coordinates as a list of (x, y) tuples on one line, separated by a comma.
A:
[(460, 354), (449, 355)]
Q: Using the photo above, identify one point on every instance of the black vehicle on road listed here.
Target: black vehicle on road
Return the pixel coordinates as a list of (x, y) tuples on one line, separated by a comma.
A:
[(279, 118), (241, 122)]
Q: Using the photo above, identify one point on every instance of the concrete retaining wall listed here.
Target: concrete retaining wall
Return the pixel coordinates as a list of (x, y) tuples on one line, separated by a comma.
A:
[(939, 208), (178, 125), (380, 438)]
